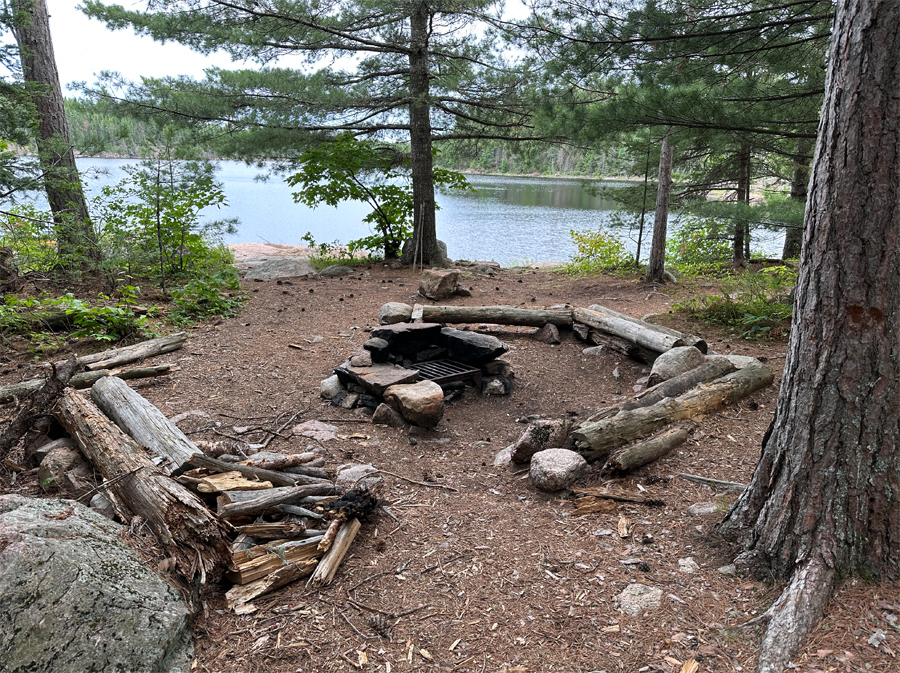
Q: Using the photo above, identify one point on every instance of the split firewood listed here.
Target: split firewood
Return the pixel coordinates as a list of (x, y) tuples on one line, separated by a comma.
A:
[(230, 481), (241, 594), (251, 564), (595, 440), (330, 533), (179, 520), (634, 456), (618, 497), (143, 422), (329, 563), (590, 504), (80, 381), (35, 410), (274, 497), (277, 530), (277, 478)]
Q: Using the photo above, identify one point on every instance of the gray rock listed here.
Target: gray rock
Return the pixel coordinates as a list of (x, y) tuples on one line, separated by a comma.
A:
[(471, 347), (385, 415), (62, 469), (368, 401), (496, 385), (357, 476), (636, 598), (379, 377), (437, 285), (379, 349), (335, 270), (330, 387), (674, 362), (280, 268), (407, 339), (102, 505), (730, 569), (409, 250), (39, 449), (504, 457), (740, 361), (350, 400), (669, 276), (419, 403), (321, 432), (593, 350), (462, 292), (548, 334), (363, 359), (498, 368), (74, 597), (394, 312), (540, 435), (703, 509), (688, 565), (555, 469)]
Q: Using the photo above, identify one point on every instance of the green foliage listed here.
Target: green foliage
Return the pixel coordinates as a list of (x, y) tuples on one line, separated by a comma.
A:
[(597, 251), (347, 169), (29, 233), (756, 304), (204, 297), (326, 254), (699, 246)]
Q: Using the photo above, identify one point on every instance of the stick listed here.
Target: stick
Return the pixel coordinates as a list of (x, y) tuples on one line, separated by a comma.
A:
[(728, 485), (329, 563), (419, 483)]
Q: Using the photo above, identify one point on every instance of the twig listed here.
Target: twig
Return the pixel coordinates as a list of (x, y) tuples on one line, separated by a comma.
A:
[(419, 483), (282, 427), (391, 615), (730, 485), (381, 574), (361, 634)]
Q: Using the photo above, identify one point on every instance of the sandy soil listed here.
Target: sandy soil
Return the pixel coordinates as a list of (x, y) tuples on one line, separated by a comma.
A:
[(493, 576)]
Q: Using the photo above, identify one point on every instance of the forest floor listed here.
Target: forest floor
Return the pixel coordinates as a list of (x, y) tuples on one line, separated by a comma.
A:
[(494, 576)]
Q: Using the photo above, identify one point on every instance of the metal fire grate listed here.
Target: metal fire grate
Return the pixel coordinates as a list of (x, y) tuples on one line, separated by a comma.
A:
[(445, 371)]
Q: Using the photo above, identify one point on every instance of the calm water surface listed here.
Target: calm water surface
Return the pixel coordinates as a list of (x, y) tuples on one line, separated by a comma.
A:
[(507, 219)]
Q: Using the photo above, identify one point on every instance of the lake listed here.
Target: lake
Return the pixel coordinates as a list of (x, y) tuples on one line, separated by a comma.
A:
[(507, 219)]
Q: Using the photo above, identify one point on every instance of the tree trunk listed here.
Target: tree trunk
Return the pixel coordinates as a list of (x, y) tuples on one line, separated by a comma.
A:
[(741, 235), (793, 237), (824, 501), (657, 264), (424, 248), (76, 241)]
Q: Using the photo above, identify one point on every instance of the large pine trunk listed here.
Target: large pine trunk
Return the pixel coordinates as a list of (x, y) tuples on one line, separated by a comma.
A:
[(657, 263), (824, 501), (75, 237)]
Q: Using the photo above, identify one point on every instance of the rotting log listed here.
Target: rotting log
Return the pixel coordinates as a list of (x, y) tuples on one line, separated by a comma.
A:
[(277, 478), (83, 380), (329, 563), (143, 422), (626, 329), (497, 315), (230, 481), (712, 369), (687, 339), (145, 349), (179, 520), (273, 498), (240, 594), (637, 455), (621, 346), (595, 440)]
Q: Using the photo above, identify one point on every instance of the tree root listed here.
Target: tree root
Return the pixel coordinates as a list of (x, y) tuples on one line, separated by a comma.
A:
[(796, 613)]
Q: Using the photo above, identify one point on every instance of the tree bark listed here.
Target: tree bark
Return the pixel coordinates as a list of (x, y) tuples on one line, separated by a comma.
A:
[(499, 315), (824, 500), (657, 263), (76, 241), (741, 235), (793, 236), (181, 523)]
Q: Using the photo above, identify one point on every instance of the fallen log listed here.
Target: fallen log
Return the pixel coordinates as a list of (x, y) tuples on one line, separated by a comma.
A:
[(179, 520), (727, 485), (143, 422), (627, 329), (329, 563), (115, 357), (32, 415), (688, 339), (597, 439), (497, 315), (274, 497), (277, 478), (616, 344), (712, 369), (637, 455), (230, 481), (81, 381)]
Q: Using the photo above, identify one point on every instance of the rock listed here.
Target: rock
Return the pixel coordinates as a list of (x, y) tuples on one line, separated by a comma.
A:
[(75, 597), (379, 349), (438, 285), (636, 598), (674, 362), (39, 449), (385, 415), (541, 435), (394, 312), (62, 469), (368, 401), (409, 250), (435, 353), (419, 403), (669, 276), (335, 270), (688, 565), (703, 509), (462, 292), (379, 377), (498, 368), (496, 385), (321, 432), (339, 398), (548, 334), (349, 402), (471, 347), (363, 359), (330, 387), (504, 457), (280, 268), (357, 476), (555, 469), (730, 569), (593, 350), (407, 338), (102, 505), (739, 361)]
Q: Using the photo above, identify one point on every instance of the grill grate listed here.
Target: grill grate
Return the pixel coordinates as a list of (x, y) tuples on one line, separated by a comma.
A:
[(446, 371)]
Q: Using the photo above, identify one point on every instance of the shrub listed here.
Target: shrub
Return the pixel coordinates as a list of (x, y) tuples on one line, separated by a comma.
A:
[(597, 251)]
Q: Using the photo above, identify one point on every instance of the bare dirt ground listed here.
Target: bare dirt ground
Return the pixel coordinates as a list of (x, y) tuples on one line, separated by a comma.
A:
[(489, 574)]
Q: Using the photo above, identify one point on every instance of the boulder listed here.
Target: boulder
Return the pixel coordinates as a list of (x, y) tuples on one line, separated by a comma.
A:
[(498, 368), (471, 347), (541, 435), (548, 334), (437, 285), (394, 312), (38, 449), (496, 385), (379, 349), (636, 598), (330, 387), (676, 361), (62, 469), (75, 597), (357, 476), (555, 469), (280, 268), (593, 350), (703, 509), (335, 270), (739, 361), (385, 415), (407, 338), (379, 377), (408, 254), (504, 456), (419, 403)]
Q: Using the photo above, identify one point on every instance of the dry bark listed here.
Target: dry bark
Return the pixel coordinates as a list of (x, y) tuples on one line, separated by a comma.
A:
[(251, 564), (80, 381), (497, 315), (638, 455), (272, 498), (240, 594), (179, 520)]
